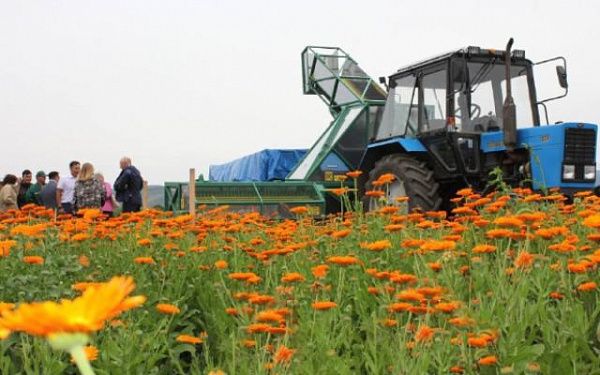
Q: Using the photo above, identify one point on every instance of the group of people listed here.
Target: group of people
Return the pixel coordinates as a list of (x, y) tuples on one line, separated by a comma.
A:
[(82, 188)]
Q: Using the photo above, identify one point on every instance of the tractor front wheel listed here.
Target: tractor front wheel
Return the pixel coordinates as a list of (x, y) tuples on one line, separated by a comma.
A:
[(412, 179)]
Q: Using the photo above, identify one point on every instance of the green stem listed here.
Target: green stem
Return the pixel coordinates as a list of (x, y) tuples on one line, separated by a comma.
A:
[(81, 360)]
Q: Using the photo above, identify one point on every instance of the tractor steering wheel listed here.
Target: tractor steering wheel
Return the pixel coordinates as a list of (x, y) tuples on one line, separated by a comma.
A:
[(475, 111)]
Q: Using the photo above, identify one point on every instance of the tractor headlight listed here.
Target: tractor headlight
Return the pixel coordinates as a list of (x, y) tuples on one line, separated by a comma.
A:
[(589, 172), (568, 172)]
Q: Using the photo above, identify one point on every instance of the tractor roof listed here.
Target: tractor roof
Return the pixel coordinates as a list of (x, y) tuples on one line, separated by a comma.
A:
[(469, 51)]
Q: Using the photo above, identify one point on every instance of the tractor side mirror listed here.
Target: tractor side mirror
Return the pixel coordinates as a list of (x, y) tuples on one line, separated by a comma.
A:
[(561, 72)]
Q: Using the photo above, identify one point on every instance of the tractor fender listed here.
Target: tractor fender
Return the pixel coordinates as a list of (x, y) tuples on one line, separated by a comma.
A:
[(377, 150)]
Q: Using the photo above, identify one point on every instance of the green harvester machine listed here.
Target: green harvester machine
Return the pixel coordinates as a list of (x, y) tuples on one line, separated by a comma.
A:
[(355, 102)]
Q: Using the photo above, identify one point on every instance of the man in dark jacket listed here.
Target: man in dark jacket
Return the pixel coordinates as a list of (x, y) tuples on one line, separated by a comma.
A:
[(128, 186), (24, 185), (48, 193)]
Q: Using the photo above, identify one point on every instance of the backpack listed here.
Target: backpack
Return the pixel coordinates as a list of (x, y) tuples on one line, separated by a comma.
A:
[(136, 179)]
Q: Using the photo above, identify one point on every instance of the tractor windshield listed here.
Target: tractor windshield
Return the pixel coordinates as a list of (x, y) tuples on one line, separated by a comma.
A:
[(478, 103)]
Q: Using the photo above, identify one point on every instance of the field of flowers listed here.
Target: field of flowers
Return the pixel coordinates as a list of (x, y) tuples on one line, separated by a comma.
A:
[(507, 284)]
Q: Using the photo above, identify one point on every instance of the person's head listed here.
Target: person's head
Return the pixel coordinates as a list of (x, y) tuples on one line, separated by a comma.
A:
[(99, 176), (86, 172), (53, 176), (26, 176), (124, 162), (40, 177), (74, 166), (9, 179)]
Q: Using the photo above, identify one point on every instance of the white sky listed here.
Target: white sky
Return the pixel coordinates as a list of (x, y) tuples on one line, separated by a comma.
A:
[(179, 84)]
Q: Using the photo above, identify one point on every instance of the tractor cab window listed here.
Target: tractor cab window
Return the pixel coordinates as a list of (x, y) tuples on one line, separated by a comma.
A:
[(478, 106), (400, 116), (433, 115)]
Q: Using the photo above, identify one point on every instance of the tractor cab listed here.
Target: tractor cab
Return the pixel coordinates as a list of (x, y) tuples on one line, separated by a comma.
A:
[(462, 91)]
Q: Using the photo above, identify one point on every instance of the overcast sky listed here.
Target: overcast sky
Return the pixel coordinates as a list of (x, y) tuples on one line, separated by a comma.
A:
[(179, 84)]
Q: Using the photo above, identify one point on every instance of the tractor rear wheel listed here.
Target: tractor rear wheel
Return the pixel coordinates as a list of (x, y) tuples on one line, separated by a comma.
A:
[(412, 178)]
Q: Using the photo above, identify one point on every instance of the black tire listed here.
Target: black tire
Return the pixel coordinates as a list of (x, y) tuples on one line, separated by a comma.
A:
[(419, 184)]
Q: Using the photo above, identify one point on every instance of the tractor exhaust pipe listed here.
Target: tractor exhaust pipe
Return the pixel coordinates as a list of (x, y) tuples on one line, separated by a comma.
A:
[(509, 111)]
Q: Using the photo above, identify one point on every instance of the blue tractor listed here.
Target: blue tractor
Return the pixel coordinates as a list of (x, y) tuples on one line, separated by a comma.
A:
[(443, 124)]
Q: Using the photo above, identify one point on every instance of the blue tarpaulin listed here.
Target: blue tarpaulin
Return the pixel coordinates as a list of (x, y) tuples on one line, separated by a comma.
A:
[(265, 165)]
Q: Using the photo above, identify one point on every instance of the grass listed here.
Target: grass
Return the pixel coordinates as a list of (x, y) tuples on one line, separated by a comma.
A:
[(515, 315)]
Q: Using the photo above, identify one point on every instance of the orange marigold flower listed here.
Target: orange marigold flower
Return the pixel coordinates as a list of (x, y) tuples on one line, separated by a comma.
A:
[(434, 245), (548, 233), (232, 311), (144, 242), (377, 245), (167, 308), (292, 277), (91, 353), (300, 210), (221, 264), (477, 342), (241, 276), (393, 227), (284, 354), (461, 321), (508, 221), (457, 370), (390, 322), (374, 193), (143, 260), (464, 192), (249, 343), (354, 174), (424, 334), (480, 249), (84, 261), (435, 266), (320, 271), (271, 316), (577, 267), (323, 305), (447, 307), (410, 242), (587, 286), (80, 237), (343, 260), (87, 313), (33, 259), (410, 295), (341, 233), (189, 339), (399, 307), (258, 328), (5, 247), (524, 260), (488, 360), (261, 299), (402, 278), (592, 221), (339, 191), (498, 233), (556, 295), (386, 178)]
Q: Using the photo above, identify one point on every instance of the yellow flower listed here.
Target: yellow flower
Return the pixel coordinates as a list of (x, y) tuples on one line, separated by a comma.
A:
[(87, 313)]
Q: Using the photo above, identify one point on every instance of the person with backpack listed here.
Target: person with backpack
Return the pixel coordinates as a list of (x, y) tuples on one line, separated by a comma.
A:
[(128, 186)]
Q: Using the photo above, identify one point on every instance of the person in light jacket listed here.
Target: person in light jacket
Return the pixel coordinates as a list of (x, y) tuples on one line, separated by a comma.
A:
[(8, 193)]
